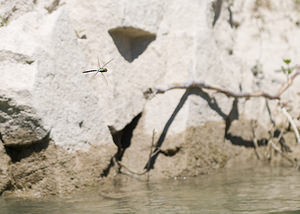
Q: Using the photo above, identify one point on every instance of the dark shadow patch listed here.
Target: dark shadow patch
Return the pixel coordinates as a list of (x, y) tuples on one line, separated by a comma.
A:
[(131, 42), (170, 152), (239, 141), (29, 62), (212, 103), (233, 115), (122, 139), (107, 169), (279, 134), (9, 107), (165, 130), (54, 5), (217, 7), (1, 138), (18, 152)]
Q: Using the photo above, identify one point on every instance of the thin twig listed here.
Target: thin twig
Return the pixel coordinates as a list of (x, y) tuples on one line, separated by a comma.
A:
[(289, 82), (131, 171), (151, 154), (276, 148), (229, 93), (255, 139), (282, 153), (290, 119)]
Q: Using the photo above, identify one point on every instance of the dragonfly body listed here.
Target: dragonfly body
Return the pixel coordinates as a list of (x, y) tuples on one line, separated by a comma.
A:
[(101, 70)]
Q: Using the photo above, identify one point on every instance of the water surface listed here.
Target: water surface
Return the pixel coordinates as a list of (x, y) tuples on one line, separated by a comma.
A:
[(264, 190)]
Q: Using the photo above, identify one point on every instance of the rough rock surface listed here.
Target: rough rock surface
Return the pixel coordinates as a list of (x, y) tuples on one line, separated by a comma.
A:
[(61, 128), (20, 126), (5, 181)]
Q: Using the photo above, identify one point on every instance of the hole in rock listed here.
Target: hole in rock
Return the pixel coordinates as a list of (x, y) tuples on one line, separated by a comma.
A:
[(131, 42), (17, 153), (122, 139)]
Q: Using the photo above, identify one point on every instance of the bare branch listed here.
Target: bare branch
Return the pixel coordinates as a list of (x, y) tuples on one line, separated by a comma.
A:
[(229, 93), (289, 82), (131, 171), (253, 126), (151, 154), (282, 154), (290, 119)]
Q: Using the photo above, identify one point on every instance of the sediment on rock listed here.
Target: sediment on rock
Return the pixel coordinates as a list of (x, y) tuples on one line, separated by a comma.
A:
[(55, 171)]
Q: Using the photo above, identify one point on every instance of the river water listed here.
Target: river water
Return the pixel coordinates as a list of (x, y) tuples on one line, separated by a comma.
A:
[(263, 190)]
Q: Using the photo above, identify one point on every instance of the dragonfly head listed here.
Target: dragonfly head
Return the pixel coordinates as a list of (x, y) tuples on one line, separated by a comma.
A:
[(102, 70)]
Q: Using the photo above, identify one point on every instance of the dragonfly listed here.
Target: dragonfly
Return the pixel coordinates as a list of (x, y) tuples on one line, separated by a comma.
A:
[(101, 69)]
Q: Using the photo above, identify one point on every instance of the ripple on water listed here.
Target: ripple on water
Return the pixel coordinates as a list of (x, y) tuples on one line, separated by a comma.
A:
[(263, 190)]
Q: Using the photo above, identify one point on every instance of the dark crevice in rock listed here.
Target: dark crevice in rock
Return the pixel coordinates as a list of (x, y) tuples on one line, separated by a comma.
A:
[(54, 5), (217, 7), (18, 152), (122, 139), (230, 20), (6, 187), (1, 138), (233, 115), (131, 42)]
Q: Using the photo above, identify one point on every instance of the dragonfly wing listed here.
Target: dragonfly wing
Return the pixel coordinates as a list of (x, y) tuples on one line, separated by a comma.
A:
[(93, 77), (105, 79), (107, 62), (98, 63)]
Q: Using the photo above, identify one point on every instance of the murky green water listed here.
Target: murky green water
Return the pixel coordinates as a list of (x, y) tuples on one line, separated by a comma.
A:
[(233, 191)]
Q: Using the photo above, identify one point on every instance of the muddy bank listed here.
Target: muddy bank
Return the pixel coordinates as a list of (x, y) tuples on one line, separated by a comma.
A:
[(55, 171), (48, 169), (52, 170)]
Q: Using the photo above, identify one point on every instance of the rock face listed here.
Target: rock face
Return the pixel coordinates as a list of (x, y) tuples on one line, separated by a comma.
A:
[(59, 125), (20, 126)]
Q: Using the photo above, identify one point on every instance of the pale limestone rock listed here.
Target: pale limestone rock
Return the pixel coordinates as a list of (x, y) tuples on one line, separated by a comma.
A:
[(152, 43)]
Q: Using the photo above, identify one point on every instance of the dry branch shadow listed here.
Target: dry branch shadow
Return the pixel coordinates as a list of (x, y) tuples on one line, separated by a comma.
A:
[(211, 101), (165, 130), (212, 104), (233, 115)]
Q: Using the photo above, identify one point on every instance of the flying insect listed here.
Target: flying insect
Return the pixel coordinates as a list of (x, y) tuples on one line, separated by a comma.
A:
[(101, 69)]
